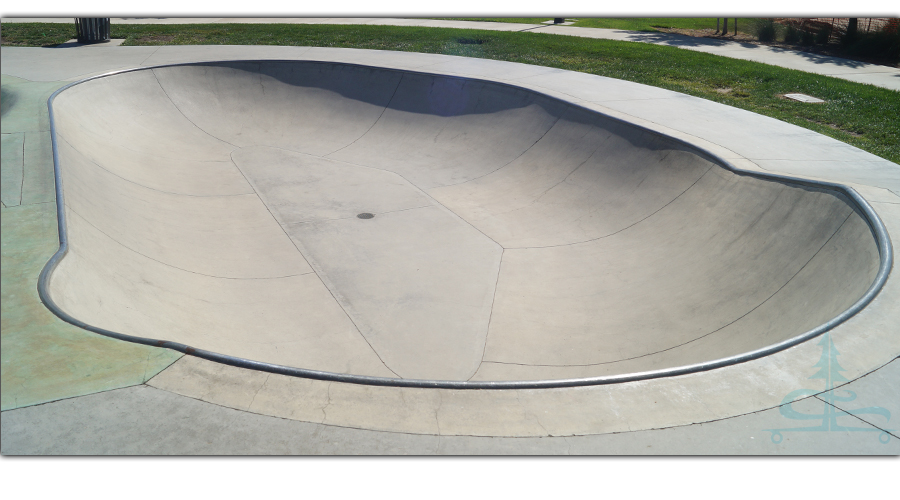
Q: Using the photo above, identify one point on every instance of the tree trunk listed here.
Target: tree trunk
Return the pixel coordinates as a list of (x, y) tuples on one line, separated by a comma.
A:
[(725, 28), (852, 27)]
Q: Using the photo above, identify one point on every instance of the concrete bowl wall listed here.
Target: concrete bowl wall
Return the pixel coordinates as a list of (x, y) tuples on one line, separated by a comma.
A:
[(516, 236)]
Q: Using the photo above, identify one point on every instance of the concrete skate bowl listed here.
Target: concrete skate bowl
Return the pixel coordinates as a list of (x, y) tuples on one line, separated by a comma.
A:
[(371, 225)]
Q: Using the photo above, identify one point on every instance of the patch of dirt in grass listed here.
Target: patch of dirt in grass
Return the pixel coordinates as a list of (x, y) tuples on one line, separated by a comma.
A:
[(835, 127), (711, 33), (155, 39)]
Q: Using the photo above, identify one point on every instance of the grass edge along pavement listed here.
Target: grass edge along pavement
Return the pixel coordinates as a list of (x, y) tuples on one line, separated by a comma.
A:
[(44, 359), (858, 114)]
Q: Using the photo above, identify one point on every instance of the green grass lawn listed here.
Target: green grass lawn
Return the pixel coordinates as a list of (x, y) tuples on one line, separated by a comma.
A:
[(862, 115)]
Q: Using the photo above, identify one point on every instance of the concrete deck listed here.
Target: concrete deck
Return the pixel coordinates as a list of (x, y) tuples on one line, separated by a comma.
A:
[(471, 246), (846, 69)]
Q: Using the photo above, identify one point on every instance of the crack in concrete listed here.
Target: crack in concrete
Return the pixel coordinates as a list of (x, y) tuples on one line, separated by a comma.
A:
[(525, 414), (324, 407), (261, 387), (437, 410), (568, 445), (146, 365)]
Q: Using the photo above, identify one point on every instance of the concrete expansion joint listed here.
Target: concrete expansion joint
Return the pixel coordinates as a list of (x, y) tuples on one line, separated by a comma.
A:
[(385, 108), (149, 56), (490, 315), (94, 162), (411, 184), (574, 243), (524, 152), (523, 415), (163, 88), (176, 267), (841, 412)]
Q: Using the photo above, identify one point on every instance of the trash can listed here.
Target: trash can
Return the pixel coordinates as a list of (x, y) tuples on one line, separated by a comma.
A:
[(92, 29)]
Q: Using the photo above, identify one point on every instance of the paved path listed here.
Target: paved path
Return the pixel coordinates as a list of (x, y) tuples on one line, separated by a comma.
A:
[(143, 420), (729, 407), (874, 74)]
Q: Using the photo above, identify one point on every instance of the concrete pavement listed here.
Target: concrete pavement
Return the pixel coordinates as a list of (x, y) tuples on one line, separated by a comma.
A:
[(865, 343)]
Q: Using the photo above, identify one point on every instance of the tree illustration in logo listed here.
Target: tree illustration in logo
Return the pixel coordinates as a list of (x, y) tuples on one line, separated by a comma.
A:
[(830, 371)]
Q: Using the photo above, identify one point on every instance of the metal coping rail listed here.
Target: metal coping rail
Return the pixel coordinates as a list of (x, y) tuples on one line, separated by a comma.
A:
[(877, 226)]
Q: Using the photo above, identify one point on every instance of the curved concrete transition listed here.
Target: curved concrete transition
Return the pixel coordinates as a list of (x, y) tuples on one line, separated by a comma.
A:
[(515, 237)]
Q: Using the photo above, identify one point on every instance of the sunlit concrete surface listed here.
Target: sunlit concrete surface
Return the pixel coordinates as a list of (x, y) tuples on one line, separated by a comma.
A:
[(484, 200), (170, 428), (846, 69), (515, 237)]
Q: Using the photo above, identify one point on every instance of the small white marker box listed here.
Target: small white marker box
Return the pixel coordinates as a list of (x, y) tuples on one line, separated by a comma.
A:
[(803, 98)]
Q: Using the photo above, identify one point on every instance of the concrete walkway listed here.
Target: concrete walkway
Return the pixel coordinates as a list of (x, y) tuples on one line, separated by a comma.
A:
[(734, 410), (846, 69)]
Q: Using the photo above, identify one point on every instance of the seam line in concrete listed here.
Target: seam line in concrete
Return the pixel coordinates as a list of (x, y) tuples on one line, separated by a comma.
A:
[(176, 267), (490, 316), (529, 29), (846, 413), (523, 153), (383, 110), (148, 187), (712, 332), (22, 181), (417, 188), (151, 55), (31, 204), (624, 228), (153, 71), (79, 395), (314, 270), (437, 410)]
